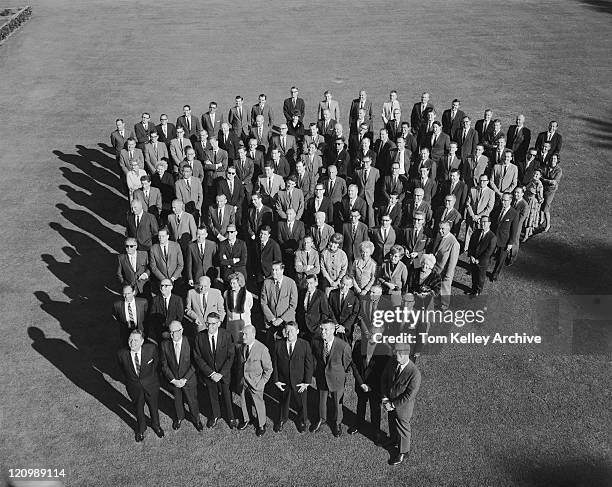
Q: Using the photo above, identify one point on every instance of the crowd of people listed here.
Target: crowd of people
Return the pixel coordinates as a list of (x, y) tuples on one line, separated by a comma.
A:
[(252, 226)]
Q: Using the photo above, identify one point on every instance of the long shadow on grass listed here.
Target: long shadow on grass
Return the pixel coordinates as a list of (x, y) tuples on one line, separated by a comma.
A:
[(599, 130), (603, 6)]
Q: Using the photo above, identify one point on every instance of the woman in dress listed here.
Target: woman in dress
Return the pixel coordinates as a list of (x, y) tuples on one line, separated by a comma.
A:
[(334, 264), (238, 304), (133, 179), (394, 275), (551, 175), (534, 195), (363, 270)]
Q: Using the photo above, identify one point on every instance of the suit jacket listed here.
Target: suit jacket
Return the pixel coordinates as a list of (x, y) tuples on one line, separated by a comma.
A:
[(214, 304), (453, 217), (125, 272), (473, 168), (342, 161), (212, 172), (265, 257), (256, 370), (223, 358), (399, 186), (258, 220), (330, 374), (429, 188), (153, 157), (192, 197), (160, 317), (327, 131), (263, 141), (326, 207), (382, 246), (229, 144), (148, 379), (235, 198), (142, 308), (191, 130), (367, 188), (518, 143), (484, 134), (384, 152), (414, 243), (295, 201), (290, 241), (202, 151), (526, 172), (334, 109), (505, 180), (417, 114), (429, 164), (210, 127), (295, 369), (312, 166), (467, 145), (258, 158), (319, 140), (162, 268), (344, 209), (347, 314), (307, 184), (240, 124), (460, 191), (153, 203), (396, 214), (181, 369), (142, 133), (183, 232), (265, 112), (354, 111), (482, 249), (269, 193), (282, 304), (402, 390), (394, 129), (446, 251), (199, 265), (490, 142), (371, 372), (351, 243), (321, 240), (119, 142), (125, 161), (439, 148), (216, 227), (450, 126), (169, 135), (310, 317), (289, 107), (522, 208), (227, 253), (556, 142), (338, 191), (244, 173), (480, 205), (507, 229), (281, 168), (409, 211), (176, 154), (197, 169), (146, 231)]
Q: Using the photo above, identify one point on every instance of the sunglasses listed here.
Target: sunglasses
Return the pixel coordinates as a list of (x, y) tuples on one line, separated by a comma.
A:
[(130, 246)]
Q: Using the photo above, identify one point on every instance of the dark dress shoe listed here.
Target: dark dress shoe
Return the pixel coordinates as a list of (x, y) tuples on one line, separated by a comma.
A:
[(212, 422), (352, 430), (233, 423), (159, 432), (397, 459), (316, 426), (380, 439), (199, 426), (261, 431), (278, 427), (301, 427), (139, 437), (337, 430), (242, 426), (176, 424)]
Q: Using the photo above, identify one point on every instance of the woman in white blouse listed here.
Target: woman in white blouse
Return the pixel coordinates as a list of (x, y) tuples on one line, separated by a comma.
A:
[(238, 304), (363, 270), (133, 179)]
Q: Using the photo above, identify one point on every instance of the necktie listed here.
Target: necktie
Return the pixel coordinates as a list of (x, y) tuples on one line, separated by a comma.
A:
[(385, 233), (215, 157), (354, 231), (291, 345), (137, 363), (269, 185), (397, 373), (366, 174), (342, 298), (188, 185), (188, 123), (166, 306), (201, 249), (220, 216), (214, 345), (177, 351), (246, 352), (131, 321), (146, 195), (155, 149), (204, 304), (283, 143), (259, 133), (178, 220), (325, 351), (231, 187), (137, 220), (444, 215), (484, 128), (240, 113), (308, 296), (165, 249), (181, 145), (133, 261), (433, 140), (277, 285)]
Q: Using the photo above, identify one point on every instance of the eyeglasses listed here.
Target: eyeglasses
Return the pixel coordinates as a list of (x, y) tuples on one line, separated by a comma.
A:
[(166, 285), (127, 246), (176, 331), (232, 231), (231, 173), (164, 119)]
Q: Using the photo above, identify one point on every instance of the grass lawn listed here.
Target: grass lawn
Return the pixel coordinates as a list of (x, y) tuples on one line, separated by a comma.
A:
[(524, 416)]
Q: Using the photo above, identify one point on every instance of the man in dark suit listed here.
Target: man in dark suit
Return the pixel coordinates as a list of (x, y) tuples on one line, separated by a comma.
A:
[(449, 214), (384, 148), (466, 138), (190, 123), (245, 172), (415, 241), (353, 233), (419, 111), (318, 203), (220, 217), (451, 118), (259, 215), (491, 142), (214, 357), (214, 167), (267, 252), (393, 209), (130, 312), (263, 109), (394, 183), (519, 138), (179, 371), (201, 257), (293, 103), (481, 249), (369, 362), (335, 186), (261, 133), (143, 129), (165, 308), (257, 157), (292, 364), (528, 167), (344, 305), (232, 254), (229, 142), (438, 143), (234, 193), (400, 383), (455, 187), (383, 238), (212, 120), (133, 266), (165, 130), (484, 127), (415, 204), (119, 137), (394, 126), (140, 366), (332, 361), (552, 137), (349, 203), (202, 147), (505, 225), (290, 235), (360, 103), (141, 225), (312, 309), (447, 163)]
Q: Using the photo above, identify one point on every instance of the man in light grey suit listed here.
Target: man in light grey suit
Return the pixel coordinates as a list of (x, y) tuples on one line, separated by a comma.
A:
[(331, 105), (178, 147), (151, 197), (129, 155), (505, 175), (202, 301), (189, 191), (253, 369), (182, 226), (154, 152), (279, 299), (291, 197), (166, 258), (479, 203), (446, 250), (367, 180)]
